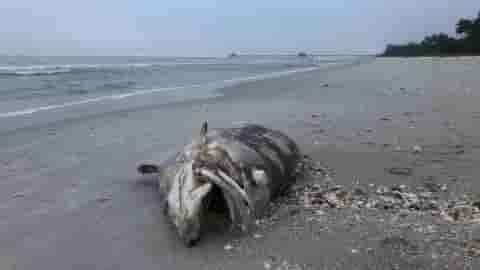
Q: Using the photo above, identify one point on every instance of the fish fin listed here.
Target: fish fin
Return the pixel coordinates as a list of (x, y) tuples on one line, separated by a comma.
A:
[(203, 132), (146, 168)]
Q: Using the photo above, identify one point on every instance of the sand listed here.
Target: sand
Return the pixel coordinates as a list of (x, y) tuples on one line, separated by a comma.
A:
[(70, 197)]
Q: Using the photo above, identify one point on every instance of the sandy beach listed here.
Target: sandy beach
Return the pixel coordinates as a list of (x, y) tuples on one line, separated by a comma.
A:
[(70, 197)]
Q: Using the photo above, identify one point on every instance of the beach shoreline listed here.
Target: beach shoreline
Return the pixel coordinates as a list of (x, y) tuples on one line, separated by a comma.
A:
[(70, 197)]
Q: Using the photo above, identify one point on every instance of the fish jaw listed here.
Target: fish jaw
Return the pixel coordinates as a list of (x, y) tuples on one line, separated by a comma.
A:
[(185, 204)]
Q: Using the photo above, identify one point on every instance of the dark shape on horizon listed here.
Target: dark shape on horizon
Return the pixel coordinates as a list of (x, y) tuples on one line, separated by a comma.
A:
[(302, 54), (443, 45), (233, 54)]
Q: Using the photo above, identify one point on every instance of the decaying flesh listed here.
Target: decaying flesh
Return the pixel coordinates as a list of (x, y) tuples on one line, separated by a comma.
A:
[(238, 170)]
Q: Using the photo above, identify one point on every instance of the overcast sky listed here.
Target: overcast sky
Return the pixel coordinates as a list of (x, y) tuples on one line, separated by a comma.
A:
[(217, 27)]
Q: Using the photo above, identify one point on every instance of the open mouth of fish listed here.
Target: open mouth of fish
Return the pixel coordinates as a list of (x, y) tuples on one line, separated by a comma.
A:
[(226, 202)]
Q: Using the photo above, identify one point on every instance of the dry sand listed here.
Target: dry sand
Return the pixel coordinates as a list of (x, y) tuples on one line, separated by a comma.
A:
[(70, 198)]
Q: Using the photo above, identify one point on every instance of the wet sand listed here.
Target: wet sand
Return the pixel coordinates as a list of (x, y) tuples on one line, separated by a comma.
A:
[(70, 197)]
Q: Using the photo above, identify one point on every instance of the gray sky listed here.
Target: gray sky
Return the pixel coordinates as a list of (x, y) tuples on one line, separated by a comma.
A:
[(217, 27)]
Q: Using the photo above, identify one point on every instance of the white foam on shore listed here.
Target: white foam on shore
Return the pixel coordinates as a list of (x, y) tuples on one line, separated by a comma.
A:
[(214, 85), (28, 72)]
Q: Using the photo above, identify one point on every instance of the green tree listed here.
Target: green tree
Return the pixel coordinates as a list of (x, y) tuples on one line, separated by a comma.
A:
[(464, 27), (470, 29), (442, 44)]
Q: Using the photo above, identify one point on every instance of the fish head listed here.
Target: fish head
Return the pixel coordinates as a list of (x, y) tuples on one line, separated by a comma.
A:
[(185, 203), (201, 178), (195, 190)]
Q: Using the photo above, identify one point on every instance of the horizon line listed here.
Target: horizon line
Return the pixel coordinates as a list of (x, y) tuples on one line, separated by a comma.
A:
[(226, 55)]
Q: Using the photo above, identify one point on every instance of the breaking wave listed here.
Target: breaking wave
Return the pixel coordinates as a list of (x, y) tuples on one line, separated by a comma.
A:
[(37, 70), (52, 69), (212, 86)]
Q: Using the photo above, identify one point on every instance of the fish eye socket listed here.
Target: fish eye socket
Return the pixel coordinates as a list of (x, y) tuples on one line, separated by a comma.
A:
[(165, 207), (202, 179)]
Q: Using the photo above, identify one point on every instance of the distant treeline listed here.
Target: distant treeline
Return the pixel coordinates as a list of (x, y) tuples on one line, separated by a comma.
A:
[(442, 44)]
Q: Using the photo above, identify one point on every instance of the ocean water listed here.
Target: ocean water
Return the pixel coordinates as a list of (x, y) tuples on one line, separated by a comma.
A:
[(35, 85)]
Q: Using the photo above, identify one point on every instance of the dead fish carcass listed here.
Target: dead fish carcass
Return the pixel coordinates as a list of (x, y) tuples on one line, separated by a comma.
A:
[(234, 172)]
